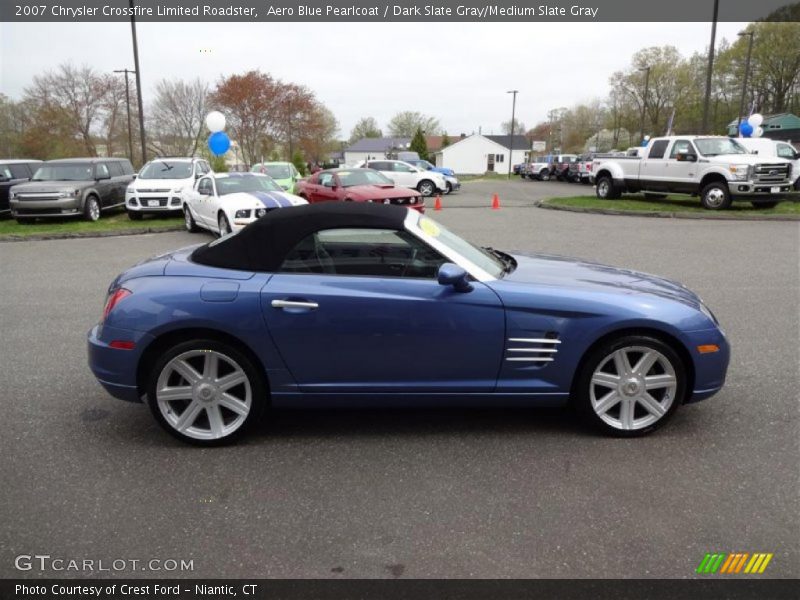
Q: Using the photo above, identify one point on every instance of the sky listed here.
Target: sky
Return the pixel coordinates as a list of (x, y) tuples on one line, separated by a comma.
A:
[(458, 73)]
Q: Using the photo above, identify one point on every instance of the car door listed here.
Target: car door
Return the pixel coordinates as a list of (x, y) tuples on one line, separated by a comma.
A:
[(361, 311), (327, 188), (104, 185), (201, 201), (679, 175), (404, 175), (652, 167)]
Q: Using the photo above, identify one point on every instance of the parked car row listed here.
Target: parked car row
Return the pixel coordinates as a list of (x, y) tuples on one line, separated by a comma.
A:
[(717, 169)]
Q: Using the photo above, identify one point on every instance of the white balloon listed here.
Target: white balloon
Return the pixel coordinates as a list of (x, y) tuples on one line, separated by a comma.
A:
[(758, 132), (755, 120), (215, 121)]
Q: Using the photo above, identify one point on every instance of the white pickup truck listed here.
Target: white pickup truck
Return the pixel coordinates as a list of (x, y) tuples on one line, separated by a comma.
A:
[(716, 168)]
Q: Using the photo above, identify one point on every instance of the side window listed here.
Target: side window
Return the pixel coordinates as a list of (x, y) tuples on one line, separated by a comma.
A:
[(115, 168), (658, 149), (326, 179), (101, 171), (205, 185), (784, 151), (364, 253), (681, 147), (401, 168), (379, 165), (127, 167), (19, 171)]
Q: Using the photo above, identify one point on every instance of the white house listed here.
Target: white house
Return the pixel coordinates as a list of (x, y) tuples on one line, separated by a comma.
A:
[(374, 148), (477, 154)]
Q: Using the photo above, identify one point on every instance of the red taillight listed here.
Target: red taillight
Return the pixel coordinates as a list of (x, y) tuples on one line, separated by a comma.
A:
[(113, 300)]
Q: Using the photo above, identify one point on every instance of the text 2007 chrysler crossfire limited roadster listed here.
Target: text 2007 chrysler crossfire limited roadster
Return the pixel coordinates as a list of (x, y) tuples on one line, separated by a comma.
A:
[(346, 304)]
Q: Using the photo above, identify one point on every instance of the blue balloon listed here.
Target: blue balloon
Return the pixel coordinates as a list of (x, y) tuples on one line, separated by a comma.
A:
[(746, 129), (219, 143), (645, 142)]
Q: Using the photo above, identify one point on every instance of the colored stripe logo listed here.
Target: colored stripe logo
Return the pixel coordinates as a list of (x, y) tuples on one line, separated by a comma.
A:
[(734, 563), (270, 200)]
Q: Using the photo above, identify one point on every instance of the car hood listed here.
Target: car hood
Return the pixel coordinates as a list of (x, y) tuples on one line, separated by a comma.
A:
[(562, 271), (240, 200), (444, 171), (378, 192), (32, 187), (744, 159), (142, 185)]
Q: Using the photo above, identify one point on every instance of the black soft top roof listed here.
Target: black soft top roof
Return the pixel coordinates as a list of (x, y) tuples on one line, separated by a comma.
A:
[(263, 245)]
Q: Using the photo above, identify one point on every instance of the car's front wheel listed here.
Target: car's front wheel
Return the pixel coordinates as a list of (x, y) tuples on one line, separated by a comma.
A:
[(188, 221), (448, 188), (426, 188), (135, 215), (630, 386), (205, 392), (224, 225), (91, 209), (544, 175), (715, 196)]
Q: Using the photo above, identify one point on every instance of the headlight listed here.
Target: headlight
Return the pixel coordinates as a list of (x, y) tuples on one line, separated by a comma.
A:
[(177, 190), (242, 214), (739, 172), (130, 189), (260, 212)]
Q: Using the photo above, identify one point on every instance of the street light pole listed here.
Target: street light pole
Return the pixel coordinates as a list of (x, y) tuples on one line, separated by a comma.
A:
[(128, 109), (710, 68), (746, 73), (138, 81), (511, 136), (646, 92)]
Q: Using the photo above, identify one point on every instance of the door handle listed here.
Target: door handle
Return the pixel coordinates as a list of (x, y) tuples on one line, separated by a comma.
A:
[(301, 304)]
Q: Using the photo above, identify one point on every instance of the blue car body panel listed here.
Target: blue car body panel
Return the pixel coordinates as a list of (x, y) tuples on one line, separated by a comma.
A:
[(424, 164), (394, 341)]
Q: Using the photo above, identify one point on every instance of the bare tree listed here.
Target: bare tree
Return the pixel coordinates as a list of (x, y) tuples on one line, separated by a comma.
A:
[(177, 117)]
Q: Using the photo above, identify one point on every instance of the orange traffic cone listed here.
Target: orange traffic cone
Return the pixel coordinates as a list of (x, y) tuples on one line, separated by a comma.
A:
[(495, 202), (438, 204)]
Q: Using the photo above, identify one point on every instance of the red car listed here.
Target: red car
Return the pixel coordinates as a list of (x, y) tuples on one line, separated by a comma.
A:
[(357, 185)]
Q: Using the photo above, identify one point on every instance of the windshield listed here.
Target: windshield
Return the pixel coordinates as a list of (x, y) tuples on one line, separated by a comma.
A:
[(485, 258), (64, 172), (275, 171), (363, 177), (246, 183), (166, 169), (715, 146)]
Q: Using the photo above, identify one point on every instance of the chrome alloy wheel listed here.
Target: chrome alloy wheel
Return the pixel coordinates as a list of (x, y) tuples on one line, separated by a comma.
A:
[(633, 387), (715, 197), (204, 394)]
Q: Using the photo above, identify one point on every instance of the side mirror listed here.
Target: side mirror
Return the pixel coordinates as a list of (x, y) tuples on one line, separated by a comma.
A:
[(686, 157), (204, 192), (135, 175), (452, 274), (102, 177), (797, 155)]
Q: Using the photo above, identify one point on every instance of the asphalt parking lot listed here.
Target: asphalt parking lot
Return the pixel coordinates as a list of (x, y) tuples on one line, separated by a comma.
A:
[(489, 494)]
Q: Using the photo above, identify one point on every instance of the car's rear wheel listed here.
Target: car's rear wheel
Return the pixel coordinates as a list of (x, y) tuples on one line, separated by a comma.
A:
[(224, 224), (188, 221), (134, 215), (205, 392), (426, 187), (715, 196), (91, 209), (544, 175), (606, 190), (630, 386), (764, 205)]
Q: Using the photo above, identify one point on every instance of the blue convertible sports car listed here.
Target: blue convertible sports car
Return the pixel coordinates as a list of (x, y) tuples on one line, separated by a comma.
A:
[(344, 304)]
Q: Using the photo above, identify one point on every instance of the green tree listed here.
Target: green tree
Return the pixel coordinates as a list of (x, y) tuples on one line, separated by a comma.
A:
[(299, 162), (406, 123), (218, 164), (446, 140), (367, 127), (419, 145)]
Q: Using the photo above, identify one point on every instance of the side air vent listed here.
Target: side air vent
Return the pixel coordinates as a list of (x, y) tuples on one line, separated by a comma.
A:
[(534, 350)]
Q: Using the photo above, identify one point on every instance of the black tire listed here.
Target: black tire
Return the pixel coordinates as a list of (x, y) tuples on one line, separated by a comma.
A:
[(91, 209), (654, 196), (764, 205), (606, 189), (135, 215), (254, 377), (426, 187), (715, 196), (223, 224), (25, 220), (544, 175), (448, 188), (581, 397), (188, 221)]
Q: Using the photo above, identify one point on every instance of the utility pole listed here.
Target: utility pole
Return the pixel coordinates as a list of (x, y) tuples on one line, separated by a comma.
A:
[(646, 92), (138, 81), (746, 73), (511, 136), (128, 108), (710, 68)]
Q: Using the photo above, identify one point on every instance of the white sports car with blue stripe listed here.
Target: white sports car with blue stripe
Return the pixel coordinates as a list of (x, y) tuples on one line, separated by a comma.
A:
[(226, 202)]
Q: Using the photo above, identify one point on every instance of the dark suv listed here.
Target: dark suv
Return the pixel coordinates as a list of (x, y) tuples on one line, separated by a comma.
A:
[(72, 187), (13, 172)]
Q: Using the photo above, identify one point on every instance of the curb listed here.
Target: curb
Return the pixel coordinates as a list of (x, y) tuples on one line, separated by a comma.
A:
[(663, 214), (87, 234)]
